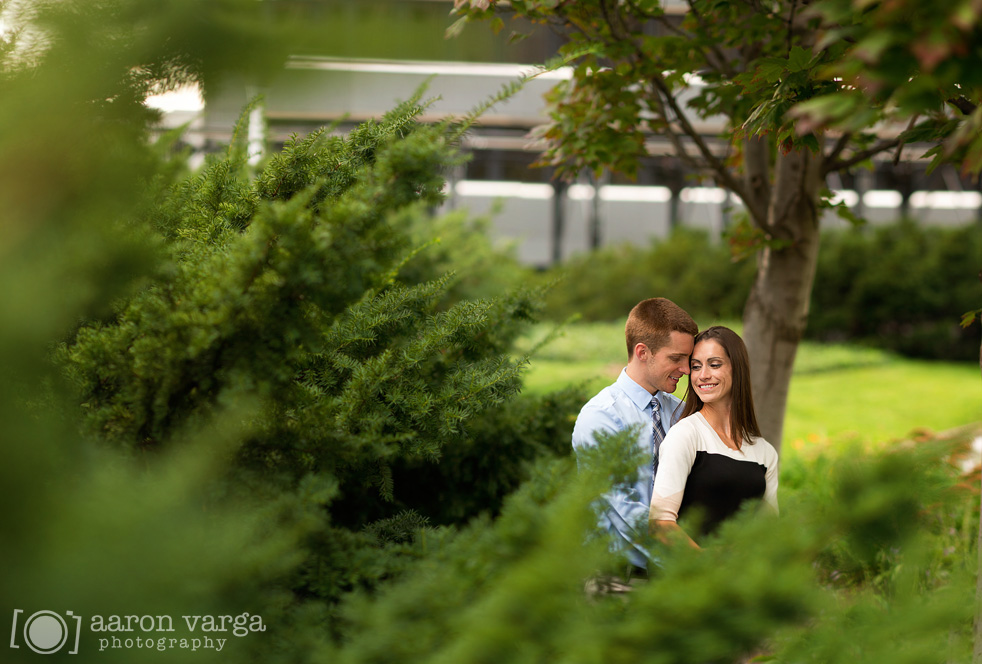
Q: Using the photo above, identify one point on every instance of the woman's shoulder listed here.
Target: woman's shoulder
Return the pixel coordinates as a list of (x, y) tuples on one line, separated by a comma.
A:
[(690, 424), (764, 451), (689, 429)]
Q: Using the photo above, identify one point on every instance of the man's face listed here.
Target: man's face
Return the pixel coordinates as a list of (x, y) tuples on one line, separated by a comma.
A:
[(664, 367)]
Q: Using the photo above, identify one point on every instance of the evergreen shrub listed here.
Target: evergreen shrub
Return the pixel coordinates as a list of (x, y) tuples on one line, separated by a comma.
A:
[(459, 244), (305, 289), (494, 458)]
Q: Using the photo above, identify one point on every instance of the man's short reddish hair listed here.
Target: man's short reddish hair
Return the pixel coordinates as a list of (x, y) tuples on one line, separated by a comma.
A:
[(652, 321)]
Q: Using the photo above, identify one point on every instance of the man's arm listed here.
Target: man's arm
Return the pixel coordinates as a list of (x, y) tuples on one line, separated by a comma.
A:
[(627, 505)]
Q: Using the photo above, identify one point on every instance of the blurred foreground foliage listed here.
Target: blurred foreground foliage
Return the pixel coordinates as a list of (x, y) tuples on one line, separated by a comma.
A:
[(859, 568), (238, 391)]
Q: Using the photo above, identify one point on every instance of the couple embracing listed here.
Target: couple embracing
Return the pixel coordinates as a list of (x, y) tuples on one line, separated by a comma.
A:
[(704, 456)]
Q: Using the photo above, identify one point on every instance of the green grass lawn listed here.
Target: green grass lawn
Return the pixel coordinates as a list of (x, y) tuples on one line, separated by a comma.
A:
[(837, 391)]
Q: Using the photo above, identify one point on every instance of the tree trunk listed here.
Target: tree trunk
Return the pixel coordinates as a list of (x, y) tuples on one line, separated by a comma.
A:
[(777, 310)]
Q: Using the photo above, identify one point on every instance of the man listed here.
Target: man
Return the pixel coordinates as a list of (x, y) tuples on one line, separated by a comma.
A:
[(659, 337)]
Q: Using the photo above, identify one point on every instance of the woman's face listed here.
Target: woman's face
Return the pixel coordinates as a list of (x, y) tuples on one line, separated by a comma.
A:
[(711, 372)]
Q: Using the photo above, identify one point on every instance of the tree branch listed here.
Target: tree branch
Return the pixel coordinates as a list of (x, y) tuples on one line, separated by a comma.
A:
[(572, 22), (756, 158), (717, 63), (861, 156), (622, 19), (963, 105), (663, 20), (723, 66), (839, 146), (609, 20), (794, 5), (718, 167), (661, 96), (672, 135), (900, 148)]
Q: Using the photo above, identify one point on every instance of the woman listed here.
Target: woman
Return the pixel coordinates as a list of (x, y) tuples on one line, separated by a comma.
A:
[(713, 459)]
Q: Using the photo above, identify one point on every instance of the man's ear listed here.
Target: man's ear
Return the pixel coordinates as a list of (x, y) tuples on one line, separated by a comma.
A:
[(641, 351)]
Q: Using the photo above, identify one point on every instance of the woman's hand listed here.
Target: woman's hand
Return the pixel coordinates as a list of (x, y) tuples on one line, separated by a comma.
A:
[(669, 532)]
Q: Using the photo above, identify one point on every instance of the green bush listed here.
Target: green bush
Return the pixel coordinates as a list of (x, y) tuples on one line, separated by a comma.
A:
[(687, 268), (460, 245), (304, 290), (494, 457), (902, 287)]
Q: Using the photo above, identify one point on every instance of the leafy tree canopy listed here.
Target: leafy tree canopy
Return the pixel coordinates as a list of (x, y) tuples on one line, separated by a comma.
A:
[(914, 59)]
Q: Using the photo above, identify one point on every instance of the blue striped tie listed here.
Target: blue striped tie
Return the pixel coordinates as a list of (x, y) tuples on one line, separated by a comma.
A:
[(658, 435)]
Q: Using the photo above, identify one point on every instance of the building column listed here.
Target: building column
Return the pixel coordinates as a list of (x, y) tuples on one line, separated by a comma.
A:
[(558, 219)]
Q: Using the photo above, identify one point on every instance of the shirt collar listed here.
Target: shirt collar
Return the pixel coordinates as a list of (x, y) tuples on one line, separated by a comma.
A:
[(640, 396)]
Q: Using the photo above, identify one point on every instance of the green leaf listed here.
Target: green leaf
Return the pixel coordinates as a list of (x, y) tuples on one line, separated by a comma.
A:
[(873, 46), (810, 141), (517, 36), (799, 59), (455, 28), (845, 213), (771, 69)]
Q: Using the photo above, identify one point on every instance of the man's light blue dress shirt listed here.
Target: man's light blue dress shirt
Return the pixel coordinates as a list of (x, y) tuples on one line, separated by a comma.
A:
[(619, 407)]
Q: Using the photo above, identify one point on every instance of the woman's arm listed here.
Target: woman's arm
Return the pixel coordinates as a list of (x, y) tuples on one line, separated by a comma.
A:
[(669, 532), (771, 479), (676, 456)]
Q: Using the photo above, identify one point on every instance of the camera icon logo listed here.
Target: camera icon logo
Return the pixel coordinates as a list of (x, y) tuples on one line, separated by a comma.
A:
[(46, 632)]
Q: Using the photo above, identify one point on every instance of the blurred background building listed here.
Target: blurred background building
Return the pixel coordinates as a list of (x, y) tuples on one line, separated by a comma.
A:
[(382, 51)]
